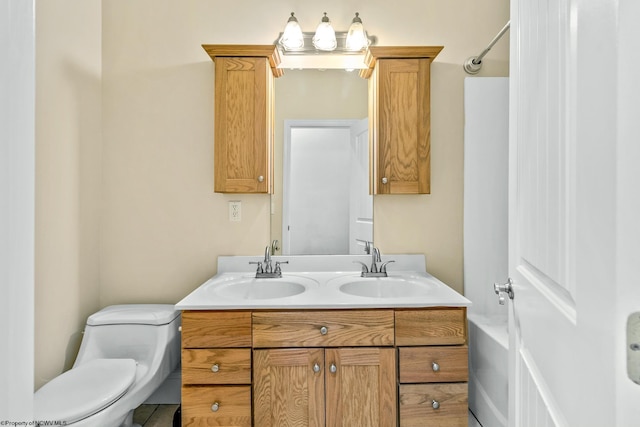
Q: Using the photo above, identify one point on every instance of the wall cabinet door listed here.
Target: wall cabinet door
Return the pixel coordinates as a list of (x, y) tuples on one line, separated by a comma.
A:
[(402, 138), (243, 125), (346, 386)]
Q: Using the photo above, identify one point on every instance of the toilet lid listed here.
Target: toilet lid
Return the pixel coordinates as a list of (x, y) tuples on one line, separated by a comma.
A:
[(84, 390), (138, 314)]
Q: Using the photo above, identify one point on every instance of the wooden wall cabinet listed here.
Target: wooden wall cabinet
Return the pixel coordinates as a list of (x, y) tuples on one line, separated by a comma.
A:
[(372, 367), (399, 118), (243, 147)]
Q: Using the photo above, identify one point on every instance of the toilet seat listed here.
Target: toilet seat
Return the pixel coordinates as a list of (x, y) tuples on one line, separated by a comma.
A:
[(84, 390), (134, 314)]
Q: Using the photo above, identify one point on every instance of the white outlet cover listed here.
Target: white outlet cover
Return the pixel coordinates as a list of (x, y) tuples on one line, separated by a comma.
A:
[(235, 211), (633, 347)]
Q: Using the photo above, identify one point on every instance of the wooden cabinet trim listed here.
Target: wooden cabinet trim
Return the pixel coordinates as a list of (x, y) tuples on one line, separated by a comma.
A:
[(261, 51)]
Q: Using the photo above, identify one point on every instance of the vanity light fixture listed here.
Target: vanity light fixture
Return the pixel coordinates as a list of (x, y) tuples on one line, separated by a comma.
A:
[(325, 37), (292, 37), (326, 48), (356, 36)]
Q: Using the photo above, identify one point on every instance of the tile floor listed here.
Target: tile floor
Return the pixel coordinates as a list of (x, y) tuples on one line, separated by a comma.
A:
[(154, 415), (162, 416)]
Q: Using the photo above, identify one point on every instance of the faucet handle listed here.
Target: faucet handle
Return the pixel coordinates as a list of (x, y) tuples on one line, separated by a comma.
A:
[(259, 269), (278, 270), (383, 267), (365, 269)]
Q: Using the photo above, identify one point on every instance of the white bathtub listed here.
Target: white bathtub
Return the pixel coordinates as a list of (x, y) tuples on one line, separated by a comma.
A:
[(488, 370)]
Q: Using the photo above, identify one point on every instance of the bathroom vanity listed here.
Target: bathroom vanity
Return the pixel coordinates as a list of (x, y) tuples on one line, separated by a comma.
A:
[(323, 346)]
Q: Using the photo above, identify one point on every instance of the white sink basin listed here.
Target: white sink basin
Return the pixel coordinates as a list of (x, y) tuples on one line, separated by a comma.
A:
[(387, 287), (259, 289)]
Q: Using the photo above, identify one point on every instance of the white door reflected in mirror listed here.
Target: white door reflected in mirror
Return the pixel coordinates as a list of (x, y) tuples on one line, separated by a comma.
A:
[(327, 208)]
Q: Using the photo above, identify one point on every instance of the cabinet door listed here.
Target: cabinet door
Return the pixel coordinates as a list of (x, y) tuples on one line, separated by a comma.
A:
[(243, 125), (361, 387), (288, 387), (402, 117)]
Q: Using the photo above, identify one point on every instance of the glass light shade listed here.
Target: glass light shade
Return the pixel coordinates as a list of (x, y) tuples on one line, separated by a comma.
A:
[(325, 36), (292, 36), (356, 36)]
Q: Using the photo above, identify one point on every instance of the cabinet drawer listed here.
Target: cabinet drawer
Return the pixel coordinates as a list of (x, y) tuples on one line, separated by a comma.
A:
[(430, 405), (233, 410), (323, 328), (440, 326), (203, 329), (216, 366), (417, 364)]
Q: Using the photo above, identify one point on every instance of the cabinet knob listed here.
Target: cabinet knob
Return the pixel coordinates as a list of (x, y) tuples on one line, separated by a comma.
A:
[(435, 366), (215, 407), (333, 368), (435, 404), (385, 180), (316, 368), (324, 330), (260, 178), (215, 367)]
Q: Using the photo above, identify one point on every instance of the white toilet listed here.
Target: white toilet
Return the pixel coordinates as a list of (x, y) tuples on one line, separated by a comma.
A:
[(126, 353)]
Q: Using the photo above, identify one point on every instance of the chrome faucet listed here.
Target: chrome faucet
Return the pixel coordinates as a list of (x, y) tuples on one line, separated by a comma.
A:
[(265, 268), (374, 271)]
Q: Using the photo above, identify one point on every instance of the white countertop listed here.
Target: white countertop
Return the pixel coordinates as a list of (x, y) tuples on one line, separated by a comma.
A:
[(322, 277)]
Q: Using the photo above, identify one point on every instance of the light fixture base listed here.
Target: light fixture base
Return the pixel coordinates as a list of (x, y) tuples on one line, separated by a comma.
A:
[(471, 66), (309, 49)]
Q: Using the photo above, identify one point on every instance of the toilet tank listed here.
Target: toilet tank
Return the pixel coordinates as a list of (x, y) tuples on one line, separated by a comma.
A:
[(147, 333)]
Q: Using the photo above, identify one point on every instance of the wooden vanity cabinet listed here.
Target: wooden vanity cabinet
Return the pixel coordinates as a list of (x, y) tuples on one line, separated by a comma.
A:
[(370, 367), (332, 369), (399, 118), (243, 121)]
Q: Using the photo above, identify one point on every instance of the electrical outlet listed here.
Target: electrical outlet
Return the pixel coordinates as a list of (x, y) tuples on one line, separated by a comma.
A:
[(235, 211)]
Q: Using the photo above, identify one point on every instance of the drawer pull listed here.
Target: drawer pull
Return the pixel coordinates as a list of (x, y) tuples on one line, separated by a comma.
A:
[(216, 406), (316, 368), (435, 404), (324, 330), (333, 368), (215, 368), (435, 366)]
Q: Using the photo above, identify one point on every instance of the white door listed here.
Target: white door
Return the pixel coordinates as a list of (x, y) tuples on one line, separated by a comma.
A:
[(316, 209), (566, 355), (360, 201)]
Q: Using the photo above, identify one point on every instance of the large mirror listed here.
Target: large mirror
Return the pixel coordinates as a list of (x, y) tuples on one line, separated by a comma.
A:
[(321, 202)]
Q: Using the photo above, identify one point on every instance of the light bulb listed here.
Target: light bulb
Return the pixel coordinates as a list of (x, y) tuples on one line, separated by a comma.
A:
[(325, 36), (356, 36), (292, 36)]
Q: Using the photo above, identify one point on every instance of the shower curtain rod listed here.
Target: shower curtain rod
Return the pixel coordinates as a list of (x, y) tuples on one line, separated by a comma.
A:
[(473, 64)]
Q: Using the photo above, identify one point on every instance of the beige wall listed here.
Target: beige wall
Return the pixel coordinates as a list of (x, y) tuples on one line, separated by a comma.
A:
[(68, 170), (159, 227)]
